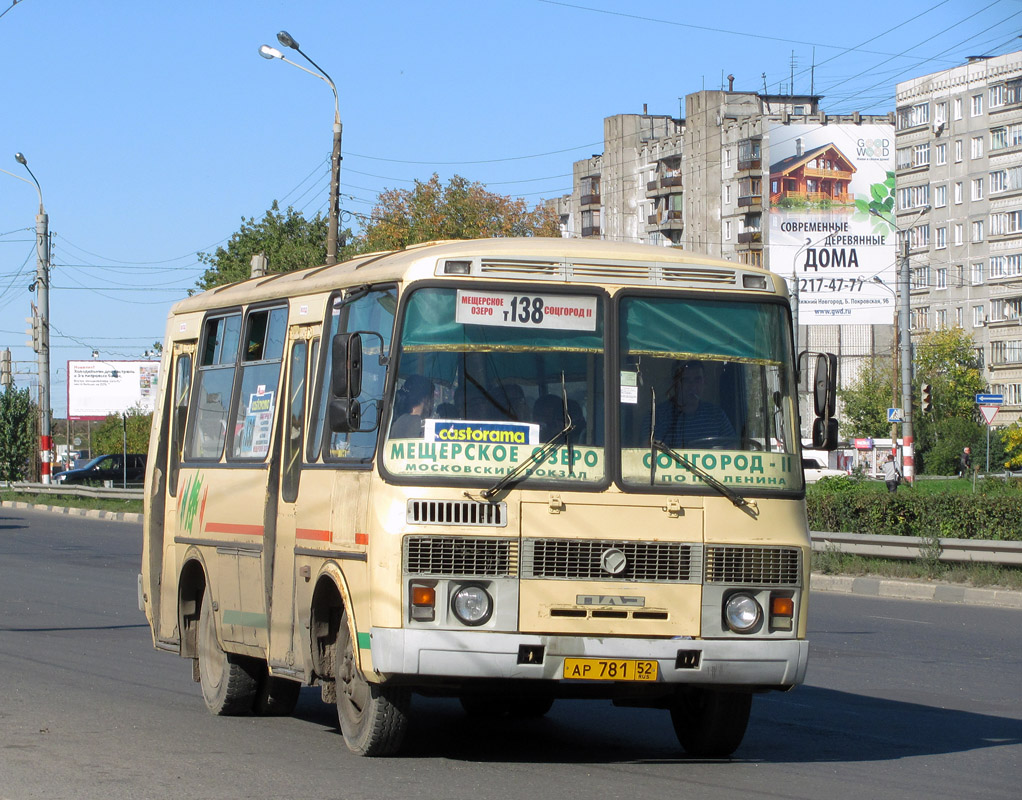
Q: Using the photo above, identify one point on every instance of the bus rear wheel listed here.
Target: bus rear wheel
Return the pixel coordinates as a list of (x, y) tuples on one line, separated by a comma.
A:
[(373, 718), (229, 682), (711, 723), (277, 697)]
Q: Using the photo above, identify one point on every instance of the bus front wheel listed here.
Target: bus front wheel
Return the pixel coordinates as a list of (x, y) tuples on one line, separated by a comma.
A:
[(711, 723), (229, 683), (373, 718)]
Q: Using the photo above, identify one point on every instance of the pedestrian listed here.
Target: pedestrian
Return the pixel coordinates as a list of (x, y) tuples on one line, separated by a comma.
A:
[(892, 477), (965, 462)]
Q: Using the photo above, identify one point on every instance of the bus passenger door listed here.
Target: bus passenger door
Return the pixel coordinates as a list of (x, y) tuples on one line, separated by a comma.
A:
[(281, 655)]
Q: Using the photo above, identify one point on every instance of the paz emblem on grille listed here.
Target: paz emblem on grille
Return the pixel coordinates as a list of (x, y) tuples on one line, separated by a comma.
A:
[(613, 561)]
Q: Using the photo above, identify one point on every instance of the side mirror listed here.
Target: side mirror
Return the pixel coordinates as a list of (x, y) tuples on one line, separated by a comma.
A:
[(824, 390), (346, 370), (344, 415)]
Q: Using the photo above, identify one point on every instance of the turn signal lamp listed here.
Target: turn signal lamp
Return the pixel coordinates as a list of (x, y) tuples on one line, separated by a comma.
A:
[(457, 267), (782, 612), (423, 603)]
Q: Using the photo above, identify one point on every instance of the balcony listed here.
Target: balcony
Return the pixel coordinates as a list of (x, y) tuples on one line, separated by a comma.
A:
[(590, 231), (750, 200), (590, 199), (665, 221), (750, 237), (664, 185), (753, 163), (835, 174)]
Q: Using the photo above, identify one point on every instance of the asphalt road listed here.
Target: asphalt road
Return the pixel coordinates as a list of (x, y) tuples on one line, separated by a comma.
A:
[(904, 700)]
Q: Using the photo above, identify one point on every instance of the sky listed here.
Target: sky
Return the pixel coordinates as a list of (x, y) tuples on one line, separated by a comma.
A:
[(154, 128)]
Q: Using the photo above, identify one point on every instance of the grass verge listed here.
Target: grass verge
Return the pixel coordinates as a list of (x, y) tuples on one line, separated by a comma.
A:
[(71, 501), (987, 576)]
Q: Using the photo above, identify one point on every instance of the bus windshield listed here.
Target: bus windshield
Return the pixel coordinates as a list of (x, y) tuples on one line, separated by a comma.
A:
[(707, 380), (486, 378)]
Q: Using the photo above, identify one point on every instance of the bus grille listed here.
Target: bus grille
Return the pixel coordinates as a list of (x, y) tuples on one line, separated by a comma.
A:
[(568, 559), (769, 566), (456, 512), (463, 556)]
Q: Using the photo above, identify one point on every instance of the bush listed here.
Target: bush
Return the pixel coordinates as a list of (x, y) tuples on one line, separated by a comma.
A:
[(867, 507)]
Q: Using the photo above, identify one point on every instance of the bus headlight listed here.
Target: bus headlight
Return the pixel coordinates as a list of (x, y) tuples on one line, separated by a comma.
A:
[(472, 604), (742, 613)]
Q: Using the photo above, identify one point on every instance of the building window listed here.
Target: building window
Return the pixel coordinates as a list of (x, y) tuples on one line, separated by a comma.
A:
[(727, 159), (977, 147), (959, 317), (727, 230), (940, 195), (977, 231), (919, 236), (941, 319), (996, 96), (958, 108), (1003, 310), (1005, 266), (910, 116), (940, 113), (978, 316), (921, 155), (903, 158), (1006, 222), (941, 274), (1006, 180), (977, 273), (1005, 137), (958, 151), (977, 105), (941, 240), (958, 192), (977, 188), (921, 278), (727, 193), (941, 154), (913, 196), (958, 233), (919, 318)]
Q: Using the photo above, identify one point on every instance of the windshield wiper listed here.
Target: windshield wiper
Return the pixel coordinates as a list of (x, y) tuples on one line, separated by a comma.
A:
[(543, 452), (729, 493)]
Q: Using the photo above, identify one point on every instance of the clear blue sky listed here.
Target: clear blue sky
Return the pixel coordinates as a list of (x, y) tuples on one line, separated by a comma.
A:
[(155, 127)]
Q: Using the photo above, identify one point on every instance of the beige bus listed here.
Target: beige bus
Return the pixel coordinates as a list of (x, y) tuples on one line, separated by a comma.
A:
[(508, 471)]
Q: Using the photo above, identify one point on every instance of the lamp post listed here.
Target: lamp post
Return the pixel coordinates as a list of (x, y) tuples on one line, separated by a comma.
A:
[(335, 157), (894, 361), (42, 287)]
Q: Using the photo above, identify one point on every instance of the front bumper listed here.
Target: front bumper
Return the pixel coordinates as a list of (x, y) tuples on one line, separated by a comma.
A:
[(476, 654)]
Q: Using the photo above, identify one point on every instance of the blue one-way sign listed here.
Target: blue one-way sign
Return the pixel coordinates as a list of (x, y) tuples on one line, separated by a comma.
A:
[(989, 399)]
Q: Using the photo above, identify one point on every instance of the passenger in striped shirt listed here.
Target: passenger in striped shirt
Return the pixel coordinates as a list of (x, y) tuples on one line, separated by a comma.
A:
[(685, 420)]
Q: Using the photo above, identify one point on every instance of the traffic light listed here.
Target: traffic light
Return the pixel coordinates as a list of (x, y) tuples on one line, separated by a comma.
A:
[(927, 398), (34, 329)]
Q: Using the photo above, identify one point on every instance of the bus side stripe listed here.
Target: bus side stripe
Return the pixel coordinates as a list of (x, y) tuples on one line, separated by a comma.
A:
[(229, 527)]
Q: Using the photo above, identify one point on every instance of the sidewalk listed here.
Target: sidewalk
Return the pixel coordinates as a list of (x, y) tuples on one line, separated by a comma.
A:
[(934, 592)]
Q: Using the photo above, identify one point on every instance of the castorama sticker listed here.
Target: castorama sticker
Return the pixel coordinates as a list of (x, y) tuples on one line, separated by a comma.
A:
[(831, 220)]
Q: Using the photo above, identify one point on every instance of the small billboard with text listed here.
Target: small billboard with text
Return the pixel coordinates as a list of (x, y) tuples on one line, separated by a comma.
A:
[(831, 220), (96, 389)]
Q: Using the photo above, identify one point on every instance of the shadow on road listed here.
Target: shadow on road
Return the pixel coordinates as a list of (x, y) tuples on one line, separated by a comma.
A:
[(810, 725)]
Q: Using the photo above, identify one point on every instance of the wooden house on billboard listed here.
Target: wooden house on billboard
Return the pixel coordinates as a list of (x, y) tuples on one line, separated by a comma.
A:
[(818, 176)]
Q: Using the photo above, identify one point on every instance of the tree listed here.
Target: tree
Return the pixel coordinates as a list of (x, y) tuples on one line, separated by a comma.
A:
[(1011, 437), (17, 415), (109, 436), (948, 362), (866, 400), (288, 240), (460, 210)]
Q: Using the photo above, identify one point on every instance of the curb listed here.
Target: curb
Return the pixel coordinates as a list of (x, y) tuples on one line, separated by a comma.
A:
[(911, 590), (109, 516), (842, 584)]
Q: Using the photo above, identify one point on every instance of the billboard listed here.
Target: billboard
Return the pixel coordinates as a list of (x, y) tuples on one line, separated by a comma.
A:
[(96, 389), (831, 220)]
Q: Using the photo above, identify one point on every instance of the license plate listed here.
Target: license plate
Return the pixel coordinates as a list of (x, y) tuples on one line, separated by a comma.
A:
[(609, 669)]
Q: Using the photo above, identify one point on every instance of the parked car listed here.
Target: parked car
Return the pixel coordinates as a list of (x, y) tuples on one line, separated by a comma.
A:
[(106, 468), (814, 470)]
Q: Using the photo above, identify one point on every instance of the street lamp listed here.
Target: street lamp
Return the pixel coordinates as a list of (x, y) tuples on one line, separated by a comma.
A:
[(270, 53), (894, 362), (42, 287)]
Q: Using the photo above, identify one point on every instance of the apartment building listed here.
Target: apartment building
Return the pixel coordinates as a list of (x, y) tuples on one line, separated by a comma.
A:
[(707, 183), (959, 151)]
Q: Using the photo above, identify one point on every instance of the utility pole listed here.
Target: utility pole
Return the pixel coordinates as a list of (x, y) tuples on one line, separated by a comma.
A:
[(904, 291), (42, 287)]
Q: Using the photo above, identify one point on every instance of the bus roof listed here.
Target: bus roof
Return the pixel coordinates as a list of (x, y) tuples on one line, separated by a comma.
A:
[(420, 260)]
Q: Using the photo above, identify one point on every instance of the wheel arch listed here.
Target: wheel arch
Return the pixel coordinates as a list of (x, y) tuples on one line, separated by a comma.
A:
[(330, 599), (192, 583)]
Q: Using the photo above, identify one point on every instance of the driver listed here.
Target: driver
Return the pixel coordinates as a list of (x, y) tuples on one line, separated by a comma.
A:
[(685, 419)]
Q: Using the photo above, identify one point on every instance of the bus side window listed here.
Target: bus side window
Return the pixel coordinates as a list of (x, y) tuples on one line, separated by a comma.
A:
[(214, 382), (182, 384), (295, 425), (256, 401), (374, 312)]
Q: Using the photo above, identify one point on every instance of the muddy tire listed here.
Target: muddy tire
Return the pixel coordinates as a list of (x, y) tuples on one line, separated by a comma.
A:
[(229, 682), (710, 723)]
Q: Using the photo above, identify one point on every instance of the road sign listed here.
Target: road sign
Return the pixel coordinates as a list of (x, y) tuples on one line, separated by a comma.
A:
[(989, 399), (989, 412), (895, 415)]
